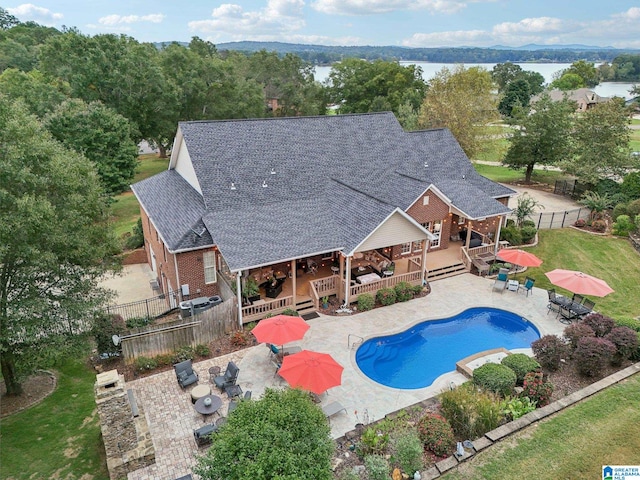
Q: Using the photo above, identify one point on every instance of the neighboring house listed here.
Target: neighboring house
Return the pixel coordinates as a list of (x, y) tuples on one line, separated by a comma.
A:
[(584, 98), (311, 207)]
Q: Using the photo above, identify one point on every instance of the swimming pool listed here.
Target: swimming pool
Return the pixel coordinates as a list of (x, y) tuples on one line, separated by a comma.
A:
[(416, 357)]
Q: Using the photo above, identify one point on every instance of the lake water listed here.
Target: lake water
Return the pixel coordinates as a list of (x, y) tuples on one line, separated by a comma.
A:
[(606, 89)]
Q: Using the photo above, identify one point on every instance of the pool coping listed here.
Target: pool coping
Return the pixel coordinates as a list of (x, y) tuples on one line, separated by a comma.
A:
[(461, 365)]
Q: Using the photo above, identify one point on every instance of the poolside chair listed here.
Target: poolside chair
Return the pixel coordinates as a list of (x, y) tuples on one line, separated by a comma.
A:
[(527, 285), (566, 315), (185, 373), (332, 408), (501, 281), (229, 378)]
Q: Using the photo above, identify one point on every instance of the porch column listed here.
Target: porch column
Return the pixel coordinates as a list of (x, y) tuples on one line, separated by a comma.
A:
[(341, 273), (498, 234), (468, 239), (294, 278), (347, 281), (239, 297), (425, 245)]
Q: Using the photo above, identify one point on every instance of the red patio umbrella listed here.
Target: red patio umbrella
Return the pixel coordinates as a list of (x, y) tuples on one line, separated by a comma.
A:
[(578, 282), (280, 329), (519, 257), (313, 371)]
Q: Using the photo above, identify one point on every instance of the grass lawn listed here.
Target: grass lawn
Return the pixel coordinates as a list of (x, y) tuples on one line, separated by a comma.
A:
[(60, 437), (611, 258), (125, 208), (575, 443), (505, 175)]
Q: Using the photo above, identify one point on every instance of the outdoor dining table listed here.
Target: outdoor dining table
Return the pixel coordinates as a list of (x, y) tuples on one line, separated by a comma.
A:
[(579, 309)]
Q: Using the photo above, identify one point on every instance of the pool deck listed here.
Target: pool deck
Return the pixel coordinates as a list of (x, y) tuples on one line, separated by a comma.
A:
[(363, 399)]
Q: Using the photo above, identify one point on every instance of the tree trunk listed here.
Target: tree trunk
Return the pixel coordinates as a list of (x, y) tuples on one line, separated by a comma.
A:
[(528, 173), (163, 150), (9, 374)]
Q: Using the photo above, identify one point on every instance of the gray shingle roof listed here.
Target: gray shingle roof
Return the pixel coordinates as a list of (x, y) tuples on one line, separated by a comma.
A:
[(336, 178)]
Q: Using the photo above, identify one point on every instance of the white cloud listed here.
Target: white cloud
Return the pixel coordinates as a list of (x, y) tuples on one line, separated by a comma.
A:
[(620, 30), (278, 18), (28, 11), (370, 7), (111, 20)]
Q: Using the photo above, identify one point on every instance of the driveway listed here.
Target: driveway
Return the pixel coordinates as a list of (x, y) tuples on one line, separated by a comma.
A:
[(549, 200)]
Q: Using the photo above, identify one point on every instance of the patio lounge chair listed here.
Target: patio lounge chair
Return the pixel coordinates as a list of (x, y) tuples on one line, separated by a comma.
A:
[(330, 409), (501, 281), (185, 373), (229, 378), (527, 285)]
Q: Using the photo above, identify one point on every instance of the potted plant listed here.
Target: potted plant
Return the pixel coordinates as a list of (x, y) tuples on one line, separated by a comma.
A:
[(325, 302), (251, 291)]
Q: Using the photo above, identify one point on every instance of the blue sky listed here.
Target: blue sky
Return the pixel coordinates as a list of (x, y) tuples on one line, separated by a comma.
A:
[(411, 23)]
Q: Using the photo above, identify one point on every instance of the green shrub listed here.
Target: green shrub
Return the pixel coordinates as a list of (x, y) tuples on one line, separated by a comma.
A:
[(489, 413), (436, 434), (137, 322), (373, 441), (386, 296), (404, 291), (290, 312), (417, 289), (625, 341), (623, 226), (574, 332), (136, 239), (365, 302), (511, 234), (164, 359), (142, 364), (528, 223), (636, 221), (633, 208), (549, 350), (183, 353), (619, 209), (631, 185), (459, 407), (104, 327), (510, 222), (496, 378), (202, 350), (377, 467), (407, 450), (592, 354), (521, 364), (516, 407), (536, 389), (632, 323), (348, 474), (528, 234)]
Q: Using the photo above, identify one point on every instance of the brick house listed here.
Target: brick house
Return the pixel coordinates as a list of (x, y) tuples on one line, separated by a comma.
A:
[(308, 207)]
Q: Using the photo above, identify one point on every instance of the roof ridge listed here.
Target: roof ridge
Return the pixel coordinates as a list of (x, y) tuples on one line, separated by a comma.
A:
[(340, 182), (257, 119)]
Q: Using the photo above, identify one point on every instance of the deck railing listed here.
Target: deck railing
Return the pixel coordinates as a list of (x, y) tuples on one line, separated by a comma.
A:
[(258, 311), (414, 278), (323, 287)]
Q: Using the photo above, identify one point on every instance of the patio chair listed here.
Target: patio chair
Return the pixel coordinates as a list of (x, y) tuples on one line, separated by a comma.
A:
[(185, 373), (566, 315), (233, 404), (229, 378), (527, 285), (577, 298), (312, 266), (501, 281), (332, 408), (588, 304), (203, 434)]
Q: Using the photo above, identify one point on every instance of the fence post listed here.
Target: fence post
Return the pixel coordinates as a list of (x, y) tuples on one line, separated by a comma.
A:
[(539, 220), (146, 302), (553, 214), (563, 219)]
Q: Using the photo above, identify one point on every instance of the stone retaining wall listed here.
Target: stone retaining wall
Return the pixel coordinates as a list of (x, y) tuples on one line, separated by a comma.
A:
[(127, 440)]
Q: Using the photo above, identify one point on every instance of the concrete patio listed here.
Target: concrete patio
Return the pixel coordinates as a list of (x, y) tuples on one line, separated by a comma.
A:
[(172, 417)]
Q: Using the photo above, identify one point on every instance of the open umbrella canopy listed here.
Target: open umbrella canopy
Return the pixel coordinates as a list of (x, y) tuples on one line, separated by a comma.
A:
[(312, 371), (519, 257), (280, 329), (578, 282)]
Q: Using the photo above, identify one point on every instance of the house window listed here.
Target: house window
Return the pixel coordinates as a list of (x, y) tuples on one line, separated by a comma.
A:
[(435, 228), (461, 220), (405, 248), (209, 261), (417, 247), (425, 200)]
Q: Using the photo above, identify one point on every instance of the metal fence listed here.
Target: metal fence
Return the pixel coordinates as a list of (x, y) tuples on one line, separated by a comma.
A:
[(548, 220), (149, 308), (570, 188)]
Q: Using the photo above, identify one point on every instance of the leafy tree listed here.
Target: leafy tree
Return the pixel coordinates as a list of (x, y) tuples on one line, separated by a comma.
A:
[(281, 435), (525, 208), (543, 137), (568, 81), (462, 101), (20, 45), (55, 243), (41, 95), (358, 86), (517, 95), (601, 139), (102, 135), (596, 203), (505, 73), (7, 20), (585, 70)]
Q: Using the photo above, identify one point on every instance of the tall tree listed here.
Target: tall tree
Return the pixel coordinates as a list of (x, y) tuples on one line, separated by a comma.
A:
[(41, 94), (102, 135), (55, 242), (462, 101), (7, 20), (505, 73), (516, 96), (358, 86), (544, 136), (602, 143)]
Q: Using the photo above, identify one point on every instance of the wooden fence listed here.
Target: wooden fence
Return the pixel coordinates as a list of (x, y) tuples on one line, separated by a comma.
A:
[(199, 329)]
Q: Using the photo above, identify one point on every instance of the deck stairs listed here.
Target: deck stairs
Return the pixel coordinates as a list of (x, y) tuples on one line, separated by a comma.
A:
[(446, 271), (304, 305)]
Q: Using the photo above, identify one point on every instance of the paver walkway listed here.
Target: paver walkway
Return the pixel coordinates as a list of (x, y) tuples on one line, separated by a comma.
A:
[(172, 417)]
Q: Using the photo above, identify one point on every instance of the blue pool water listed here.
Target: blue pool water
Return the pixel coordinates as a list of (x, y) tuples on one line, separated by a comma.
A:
[(416, 357)]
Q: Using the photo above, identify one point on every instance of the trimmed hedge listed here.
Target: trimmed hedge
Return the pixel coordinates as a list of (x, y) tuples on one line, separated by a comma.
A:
[(495, 378), (521, 364), (366, 302), (386, 296), (404, 292)]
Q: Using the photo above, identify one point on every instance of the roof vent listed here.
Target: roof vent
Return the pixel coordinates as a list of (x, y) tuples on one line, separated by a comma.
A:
[(426, 164), (233, 186), (264, 184), (464, 177), (273, 171)]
